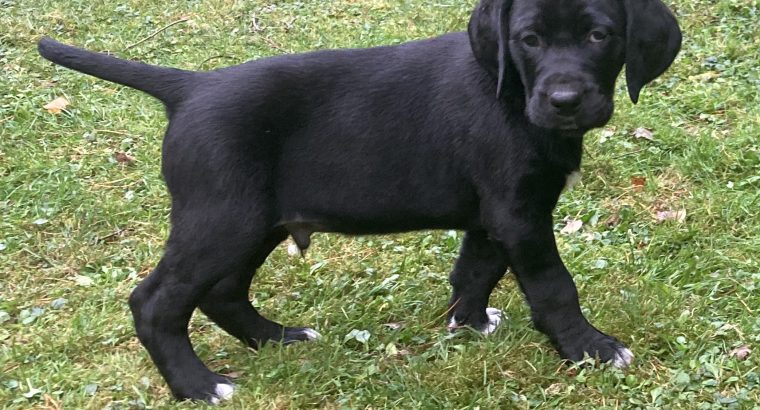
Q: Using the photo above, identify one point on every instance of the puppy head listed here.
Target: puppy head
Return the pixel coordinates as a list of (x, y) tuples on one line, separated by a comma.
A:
[(567, 54)]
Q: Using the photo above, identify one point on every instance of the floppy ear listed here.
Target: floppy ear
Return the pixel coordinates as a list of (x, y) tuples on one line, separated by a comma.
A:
[(653, 40), (489, 38)]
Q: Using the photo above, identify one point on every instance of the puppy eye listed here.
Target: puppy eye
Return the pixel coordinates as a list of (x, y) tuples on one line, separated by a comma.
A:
[(531, 40), (597, 36)]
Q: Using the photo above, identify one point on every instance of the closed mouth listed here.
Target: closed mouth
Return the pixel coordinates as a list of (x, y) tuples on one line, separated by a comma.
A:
[(568, 127), (562, 122)]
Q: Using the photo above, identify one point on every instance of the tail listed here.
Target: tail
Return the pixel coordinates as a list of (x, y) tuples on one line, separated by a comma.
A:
[(169, 85)]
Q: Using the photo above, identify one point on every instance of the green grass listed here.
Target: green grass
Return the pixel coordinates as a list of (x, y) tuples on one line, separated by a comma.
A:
[(79, 226)]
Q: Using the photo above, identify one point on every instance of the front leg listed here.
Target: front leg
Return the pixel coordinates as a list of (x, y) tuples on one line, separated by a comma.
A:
[(552, 295), (480, 265)]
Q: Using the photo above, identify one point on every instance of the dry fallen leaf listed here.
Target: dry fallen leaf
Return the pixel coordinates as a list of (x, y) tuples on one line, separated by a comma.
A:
[(638, 183), (123, 157), (573, 226), (705, 77), (741, 352), (57, 105), (613, 220), (662, 216), (51, 403), (393, 325), (642, 132), (607, 133), (234, 375), (554, 388)]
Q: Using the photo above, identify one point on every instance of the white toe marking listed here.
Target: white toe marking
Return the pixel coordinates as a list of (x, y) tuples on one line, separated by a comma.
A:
[(223, 391), (572, 179), (293, 250), (312, 334), (623, 358), (494, 319)]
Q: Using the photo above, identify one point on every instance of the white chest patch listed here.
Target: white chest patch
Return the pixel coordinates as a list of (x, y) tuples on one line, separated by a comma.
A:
[(572, 179)]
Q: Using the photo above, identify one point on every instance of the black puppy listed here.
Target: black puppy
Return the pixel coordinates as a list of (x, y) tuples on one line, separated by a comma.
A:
[(478, 133)]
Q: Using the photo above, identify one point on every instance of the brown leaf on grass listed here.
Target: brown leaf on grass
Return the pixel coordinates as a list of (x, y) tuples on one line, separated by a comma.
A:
[(51, 403), (613, 220), (572, 226), (56, 106), (638, 183), (741, 352), (644, 133), (123, 157)]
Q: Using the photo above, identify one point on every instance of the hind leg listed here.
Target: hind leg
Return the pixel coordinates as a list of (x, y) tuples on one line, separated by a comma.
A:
[(205, 246), (227, 304)]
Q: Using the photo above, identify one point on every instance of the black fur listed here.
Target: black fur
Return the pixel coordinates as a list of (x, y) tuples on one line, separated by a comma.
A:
[(474, 132)]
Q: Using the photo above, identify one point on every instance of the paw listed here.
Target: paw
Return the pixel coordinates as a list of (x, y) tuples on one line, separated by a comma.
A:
[(571, 179), (299, 334), (598, 345), (204, 386), (623, 358), (222, 392), (493, 320)]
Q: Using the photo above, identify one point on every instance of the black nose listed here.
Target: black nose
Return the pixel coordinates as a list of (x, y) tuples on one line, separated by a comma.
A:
[(565, 100)]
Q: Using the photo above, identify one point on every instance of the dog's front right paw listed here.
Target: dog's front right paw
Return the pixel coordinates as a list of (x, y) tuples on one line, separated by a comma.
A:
[(211, 388), (222, 391), (597, 345), (485, 324), (299, 334)]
